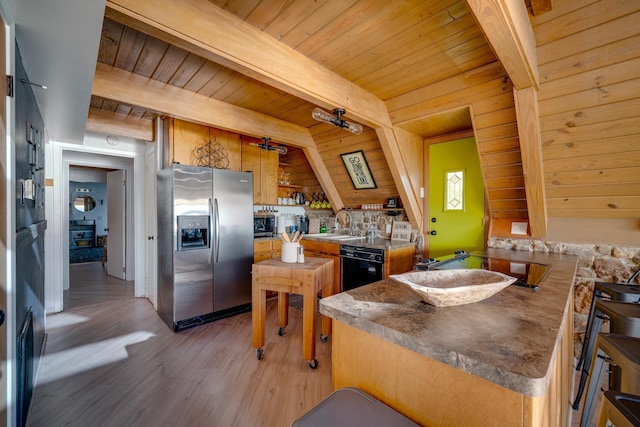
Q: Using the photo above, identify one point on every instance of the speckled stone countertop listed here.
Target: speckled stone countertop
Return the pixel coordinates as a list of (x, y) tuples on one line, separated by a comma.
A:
[(378, 243), (363, 241), (510, 339)]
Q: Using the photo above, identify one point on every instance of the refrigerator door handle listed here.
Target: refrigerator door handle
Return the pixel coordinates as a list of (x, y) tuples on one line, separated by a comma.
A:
[(210, 230), (217, 225)]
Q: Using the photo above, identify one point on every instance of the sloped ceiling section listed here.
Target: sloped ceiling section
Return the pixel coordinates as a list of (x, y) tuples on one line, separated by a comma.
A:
[(259, 67)]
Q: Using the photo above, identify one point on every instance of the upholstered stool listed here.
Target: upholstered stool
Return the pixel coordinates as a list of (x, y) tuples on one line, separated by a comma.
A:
[(619, 350), (624, 319), (621, 409), (352, 407), (622, 292)]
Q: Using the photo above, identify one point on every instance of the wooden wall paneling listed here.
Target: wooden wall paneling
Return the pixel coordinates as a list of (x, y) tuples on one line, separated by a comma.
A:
[(617, 207), (595, 176), (565, 47), (499, 145), (623, 144), (602, 113), (594, 58), (580, 16), (616, 73), (604, 131), (595, 190)]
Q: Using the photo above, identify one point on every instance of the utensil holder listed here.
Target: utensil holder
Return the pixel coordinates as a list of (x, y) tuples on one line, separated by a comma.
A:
[(290, 252)]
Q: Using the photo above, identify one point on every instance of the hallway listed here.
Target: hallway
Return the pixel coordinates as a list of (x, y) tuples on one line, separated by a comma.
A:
[(89, 284)]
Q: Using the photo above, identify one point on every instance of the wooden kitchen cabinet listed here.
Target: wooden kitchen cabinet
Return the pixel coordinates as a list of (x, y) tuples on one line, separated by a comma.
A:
[(266, 249), (261, 250), (264, 165), (184, 138)]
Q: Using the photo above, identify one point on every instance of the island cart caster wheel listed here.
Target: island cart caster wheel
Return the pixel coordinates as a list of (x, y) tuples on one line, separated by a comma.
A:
[(313, 364), (324, 338), (259, 353), (281, 331)]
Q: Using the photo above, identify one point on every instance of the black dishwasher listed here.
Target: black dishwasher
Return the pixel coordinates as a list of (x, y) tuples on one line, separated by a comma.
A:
[(360, 266)]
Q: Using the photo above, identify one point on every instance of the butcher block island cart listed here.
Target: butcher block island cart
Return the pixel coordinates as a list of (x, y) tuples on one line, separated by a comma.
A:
[(503, 361)]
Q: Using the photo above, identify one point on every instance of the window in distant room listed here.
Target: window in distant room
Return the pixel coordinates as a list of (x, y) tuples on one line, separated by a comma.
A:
[(454, 190)]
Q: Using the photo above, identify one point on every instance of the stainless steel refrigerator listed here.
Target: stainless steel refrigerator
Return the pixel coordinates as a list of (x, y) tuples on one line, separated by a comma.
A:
[(205, 244)]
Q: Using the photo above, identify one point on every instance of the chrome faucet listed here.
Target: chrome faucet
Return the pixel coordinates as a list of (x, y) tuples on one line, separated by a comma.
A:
[(349, 219)]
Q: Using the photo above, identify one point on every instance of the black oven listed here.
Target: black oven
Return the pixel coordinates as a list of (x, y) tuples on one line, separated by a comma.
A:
[(264, 225), (360, 266)]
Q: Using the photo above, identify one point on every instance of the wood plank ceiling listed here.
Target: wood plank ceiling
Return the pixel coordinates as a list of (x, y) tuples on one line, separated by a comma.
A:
[(413, 56)]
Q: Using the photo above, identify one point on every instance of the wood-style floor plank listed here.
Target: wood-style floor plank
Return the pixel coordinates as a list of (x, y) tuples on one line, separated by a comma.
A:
[(115, 363)]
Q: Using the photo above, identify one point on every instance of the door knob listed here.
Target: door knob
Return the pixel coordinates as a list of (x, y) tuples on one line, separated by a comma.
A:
[(433, 219), (433, 232), (149, 237)]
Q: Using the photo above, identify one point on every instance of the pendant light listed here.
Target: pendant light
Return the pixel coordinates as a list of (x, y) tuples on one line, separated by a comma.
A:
[(336, 120)]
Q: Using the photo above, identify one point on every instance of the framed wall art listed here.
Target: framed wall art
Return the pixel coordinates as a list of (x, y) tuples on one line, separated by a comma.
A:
[(358, 169)]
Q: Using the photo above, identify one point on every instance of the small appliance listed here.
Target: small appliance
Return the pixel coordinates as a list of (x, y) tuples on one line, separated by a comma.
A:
[(264, 224)]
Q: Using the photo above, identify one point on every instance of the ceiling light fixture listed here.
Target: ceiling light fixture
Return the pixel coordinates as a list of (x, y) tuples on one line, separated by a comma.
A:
[(336, 120), (268, 145), (27, 82)]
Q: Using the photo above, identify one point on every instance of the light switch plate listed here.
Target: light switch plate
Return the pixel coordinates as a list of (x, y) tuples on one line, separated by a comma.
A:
[(519, 228)]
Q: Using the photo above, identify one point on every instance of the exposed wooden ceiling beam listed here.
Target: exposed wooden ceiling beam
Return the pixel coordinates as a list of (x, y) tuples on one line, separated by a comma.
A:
[(506, 25), (119, 124), (200, 27), (526, 102), (134, 89)]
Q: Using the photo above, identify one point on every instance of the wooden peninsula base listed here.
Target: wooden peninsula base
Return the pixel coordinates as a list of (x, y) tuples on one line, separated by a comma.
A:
[(432, 393)]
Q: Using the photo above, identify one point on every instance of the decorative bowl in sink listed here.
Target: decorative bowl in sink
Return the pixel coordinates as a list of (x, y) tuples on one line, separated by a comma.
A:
[(443, 288)]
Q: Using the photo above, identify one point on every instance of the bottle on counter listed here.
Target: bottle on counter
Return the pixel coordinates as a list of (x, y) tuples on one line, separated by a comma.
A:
[(371, 232), (323, 227)]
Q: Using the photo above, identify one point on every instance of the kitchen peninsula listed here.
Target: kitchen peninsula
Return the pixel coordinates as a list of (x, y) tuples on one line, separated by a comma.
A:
[(503, 361)]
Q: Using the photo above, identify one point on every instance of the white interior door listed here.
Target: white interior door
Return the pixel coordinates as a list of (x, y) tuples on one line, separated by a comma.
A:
[(150, 167), (116, 248)]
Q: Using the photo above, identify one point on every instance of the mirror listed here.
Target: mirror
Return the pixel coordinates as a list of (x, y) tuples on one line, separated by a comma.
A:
[(84, 203)]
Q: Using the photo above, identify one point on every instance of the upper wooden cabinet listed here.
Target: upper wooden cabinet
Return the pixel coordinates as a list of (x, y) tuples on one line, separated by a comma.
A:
[(184, 138), (264, 165)]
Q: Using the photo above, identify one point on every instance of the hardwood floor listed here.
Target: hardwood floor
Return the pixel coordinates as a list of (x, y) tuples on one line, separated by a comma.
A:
[(113, 362)]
